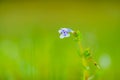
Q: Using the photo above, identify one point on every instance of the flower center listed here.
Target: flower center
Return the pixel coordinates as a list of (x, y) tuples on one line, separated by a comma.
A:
[(64, 32)]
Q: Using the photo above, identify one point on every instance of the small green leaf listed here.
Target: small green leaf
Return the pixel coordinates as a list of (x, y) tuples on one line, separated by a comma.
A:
[(87, 53)]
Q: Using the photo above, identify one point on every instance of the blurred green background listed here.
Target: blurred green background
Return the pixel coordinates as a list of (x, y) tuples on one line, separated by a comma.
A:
[(30, 47)]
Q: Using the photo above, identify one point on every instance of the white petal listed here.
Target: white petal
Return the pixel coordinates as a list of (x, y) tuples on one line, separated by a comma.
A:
[(67, 29), (59, 31), (70, 30), (61, 36), (64, 28), (68, 35)]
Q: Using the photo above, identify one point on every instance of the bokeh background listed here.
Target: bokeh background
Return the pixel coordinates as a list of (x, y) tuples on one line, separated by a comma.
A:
[(30, 47)]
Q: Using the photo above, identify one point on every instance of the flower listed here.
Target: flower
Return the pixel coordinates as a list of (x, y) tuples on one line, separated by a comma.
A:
[(65, 32)]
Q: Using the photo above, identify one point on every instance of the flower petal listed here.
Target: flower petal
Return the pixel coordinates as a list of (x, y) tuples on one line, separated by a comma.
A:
[(67, 29), (61, 36), (60, 31), (70, 30), (68, 35), (64, 29)]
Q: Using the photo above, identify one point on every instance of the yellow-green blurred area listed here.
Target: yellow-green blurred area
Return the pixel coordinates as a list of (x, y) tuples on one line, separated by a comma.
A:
[(30, 47)]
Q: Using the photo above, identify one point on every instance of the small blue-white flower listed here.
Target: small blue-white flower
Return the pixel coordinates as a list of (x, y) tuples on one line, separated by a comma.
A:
[(65, 32)]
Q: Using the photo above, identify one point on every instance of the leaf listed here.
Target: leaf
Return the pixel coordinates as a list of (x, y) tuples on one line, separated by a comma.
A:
[(87, 53)]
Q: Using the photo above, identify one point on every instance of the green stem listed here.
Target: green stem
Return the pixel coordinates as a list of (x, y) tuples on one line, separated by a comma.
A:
[(84, 63)]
